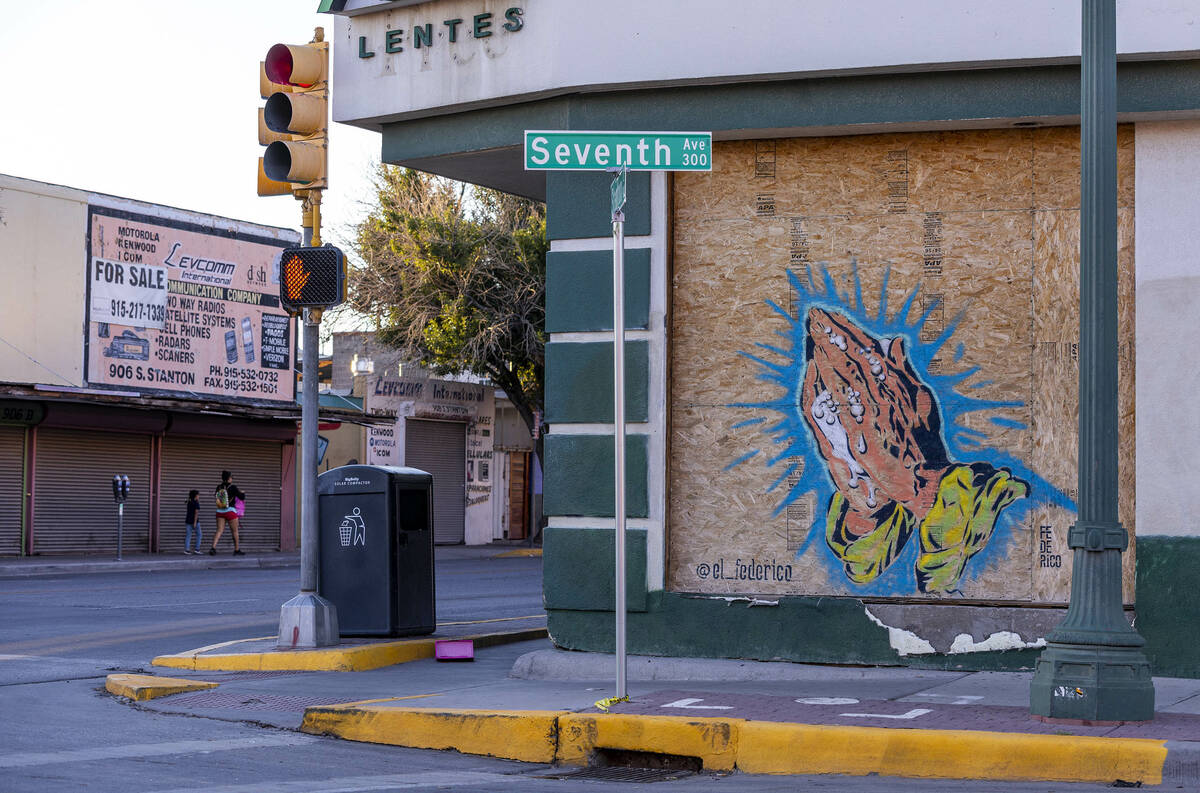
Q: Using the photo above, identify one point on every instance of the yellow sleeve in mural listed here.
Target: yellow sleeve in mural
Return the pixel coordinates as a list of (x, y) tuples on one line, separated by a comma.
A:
[(866, 556), (969, 500)]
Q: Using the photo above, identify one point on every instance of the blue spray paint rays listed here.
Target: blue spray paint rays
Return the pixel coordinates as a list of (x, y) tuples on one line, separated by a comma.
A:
[(804, 470)]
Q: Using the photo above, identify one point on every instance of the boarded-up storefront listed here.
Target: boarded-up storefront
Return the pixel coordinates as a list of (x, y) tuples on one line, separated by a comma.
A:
[(874, 365)]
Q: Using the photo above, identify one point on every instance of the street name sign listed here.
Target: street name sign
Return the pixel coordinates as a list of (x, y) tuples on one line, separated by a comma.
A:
[(577, 150)]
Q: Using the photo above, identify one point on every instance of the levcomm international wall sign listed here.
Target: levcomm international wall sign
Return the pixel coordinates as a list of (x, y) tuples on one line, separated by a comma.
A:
[(183, 309)]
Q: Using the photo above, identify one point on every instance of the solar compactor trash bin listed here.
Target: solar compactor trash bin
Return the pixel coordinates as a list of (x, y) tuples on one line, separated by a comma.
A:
[(376, 540)]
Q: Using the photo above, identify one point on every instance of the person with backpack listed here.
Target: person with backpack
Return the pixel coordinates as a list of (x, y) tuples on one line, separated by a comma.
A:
[(192, 523), (230, 501)]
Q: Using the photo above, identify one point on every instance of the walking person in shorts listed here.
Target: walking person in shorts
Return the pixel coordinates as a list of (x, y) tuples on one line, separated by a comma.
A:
[(192, 523), (228, 497)]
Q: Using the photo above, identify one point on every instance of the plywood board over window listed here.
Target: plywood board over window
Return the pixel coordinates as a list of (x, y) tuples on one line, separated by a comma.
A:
[(875, 363)]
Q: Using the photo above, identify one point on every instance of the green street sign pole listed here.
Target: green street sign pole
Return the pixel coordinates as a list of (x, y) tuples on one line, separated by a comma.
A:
[(618, 153), (618, 225), (1093, 668)]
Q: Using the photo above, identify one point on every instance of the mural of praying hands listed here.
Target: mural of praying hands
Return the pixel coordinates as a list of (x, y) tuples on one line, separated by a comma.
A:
[(878, 428), (876, 424)]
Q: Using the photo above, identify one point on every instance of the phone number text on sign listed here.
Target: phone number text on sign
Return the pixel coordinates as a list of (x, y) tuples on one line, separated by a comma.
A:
[(128, 294)]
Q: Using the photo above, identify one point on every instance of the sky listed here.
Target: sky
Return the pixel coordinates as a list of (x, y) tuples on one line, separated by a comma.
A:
[(157, 100)]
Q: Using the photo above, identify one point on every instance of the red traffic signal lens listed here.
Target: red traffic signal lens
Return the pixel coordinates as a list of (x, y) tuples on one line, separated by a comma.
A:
[(280, 66)]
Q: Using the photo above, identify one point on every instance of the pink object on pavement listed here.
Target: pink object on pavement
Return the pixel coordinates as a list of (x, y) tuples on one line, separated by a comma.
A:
[(454, 650)]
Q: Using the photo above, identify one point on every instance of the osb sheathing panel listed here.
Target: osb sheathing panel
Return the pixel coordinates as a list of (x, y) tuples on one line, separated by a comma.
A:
[(1002, 207)]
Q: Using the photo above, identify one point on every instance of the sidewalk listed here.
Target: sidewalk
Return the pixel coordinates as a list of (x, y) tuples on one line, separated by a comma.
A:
[(29, 566), (527, 701)]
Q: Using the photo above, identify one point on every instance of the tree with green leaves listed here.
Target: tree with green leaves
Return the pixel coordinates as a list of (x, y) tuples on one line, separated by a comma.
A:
[(455, 279)]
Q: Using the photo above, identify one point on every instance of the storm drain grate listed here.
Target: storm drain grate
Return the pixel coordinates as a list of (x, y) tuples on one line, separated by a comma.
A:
[(628, 765), (231, 676), (619, 774)]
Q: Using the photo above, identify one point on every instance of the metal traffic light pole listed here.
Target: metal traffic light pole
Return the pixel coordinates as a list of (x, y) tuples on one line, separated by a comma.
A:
[(309, 620)]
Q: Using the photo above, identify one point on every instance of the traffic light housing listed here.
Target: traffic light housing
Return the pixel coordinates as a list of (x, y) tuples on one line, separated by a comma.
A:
[(312, 278), (293, 124)]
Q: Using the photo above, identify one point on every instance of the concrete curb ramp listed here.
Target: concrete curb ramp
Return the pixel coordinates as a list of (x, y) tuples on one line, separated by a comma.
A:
[(755, 747), (356, 658), (143, 687)]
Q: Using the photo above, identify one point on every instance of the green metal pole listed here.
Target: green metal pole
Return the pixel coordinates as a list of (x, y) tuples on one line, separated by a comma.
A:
[(1093, 668)]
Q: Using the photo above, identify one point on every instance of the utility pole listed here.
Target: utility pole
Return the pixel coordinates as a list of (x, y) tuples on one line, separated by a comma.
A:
[(1093, 668)]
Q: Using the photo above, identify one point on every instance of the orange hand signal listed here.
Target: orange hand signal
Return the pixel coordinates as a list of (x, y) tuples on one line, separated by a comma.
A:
[(295, 276)]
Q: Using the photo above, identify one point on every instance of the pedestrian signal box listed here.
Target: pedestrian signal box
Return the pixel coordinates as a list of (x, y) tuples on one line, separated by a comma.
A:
[(312, 278)]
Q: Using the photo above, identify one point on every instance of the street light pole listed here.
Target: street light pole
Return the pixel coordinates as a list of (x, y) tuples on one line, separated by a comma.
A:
[(1093, 668)]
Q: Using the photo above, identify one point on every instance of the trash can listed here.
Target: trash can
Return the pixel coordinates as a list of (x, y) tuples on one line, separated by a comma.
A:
[(376, 541)]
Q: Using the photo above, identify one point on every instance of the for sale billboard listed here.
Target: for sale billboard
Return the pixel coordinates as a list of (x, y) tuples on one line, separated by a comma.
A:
[(184, 309)]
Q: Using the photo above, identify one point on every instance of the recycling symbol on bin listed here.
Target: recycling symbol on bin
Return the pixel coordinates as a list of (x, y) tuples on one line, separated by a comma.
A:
[(353, 530)]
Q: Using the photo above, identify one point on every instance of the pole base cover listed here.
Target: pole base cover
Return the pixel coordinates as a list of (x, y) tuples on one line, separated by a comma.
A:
[(1092, 683), (307, 621)]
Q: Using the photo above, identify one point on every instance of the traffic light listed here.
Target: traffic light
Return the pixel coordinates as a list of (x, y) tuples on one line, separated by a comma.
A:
[(293, 124), (312, 278)]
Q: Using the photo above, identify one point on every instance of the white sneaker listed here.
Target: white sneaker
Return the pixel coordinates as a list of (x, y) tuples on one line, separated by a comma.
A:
[(187, 552)]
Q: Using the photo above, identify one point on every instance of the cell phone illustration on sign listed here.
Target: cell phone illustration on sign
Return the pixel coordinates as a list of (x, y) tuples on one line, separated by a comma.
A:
[(230, 346), (248, 339)]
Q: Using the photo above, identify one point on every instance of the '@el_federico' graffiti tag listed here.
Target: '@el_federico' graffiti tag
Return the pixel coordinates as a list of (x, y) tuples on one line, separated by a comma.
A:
[(879, 438)]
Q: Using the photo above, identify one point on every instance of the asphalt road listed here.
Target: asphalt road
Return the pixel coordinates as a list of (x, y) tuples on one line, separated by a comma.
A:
[(59, 731), (69, 624)]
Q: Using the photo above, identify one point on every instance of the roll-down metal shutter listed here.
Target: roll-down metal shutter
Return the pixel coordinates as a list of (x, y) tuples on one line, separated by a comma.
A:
[(73, 504), (196, 464), (440, 448), (12, 488)]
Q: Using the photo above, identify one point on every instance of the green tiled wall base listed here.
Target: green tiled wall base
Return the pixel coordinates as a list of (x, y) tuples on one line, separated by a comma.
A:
[(808, 630), (579, 290), (1168, 603), (579, 382), (578, 565), (579, 476)]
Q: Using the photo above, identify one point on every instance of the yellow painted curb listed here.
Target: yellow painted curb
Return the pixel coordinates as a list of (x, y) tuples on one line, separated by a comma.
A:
[(143, 687), (519, 552), (714, 741), (781, 748), (358, 658), (756, 747), (528, 735)]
